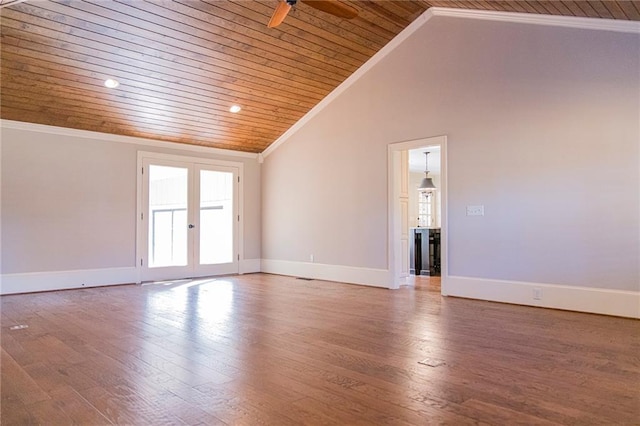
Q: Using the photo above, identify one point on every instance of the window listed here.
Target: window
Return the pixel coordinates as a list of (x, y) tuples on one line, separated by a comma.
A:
[(425, 208)]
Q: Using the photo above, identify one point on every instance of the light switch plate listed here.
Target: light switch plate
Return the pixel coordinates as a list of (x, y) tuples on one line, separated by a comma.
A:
[(475, 210)]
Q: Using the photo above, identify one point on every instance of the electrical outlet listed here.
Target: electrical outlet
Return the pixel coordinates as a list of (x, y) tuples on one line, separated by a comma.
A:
[(537, 293), (311, 258), (475, 210)]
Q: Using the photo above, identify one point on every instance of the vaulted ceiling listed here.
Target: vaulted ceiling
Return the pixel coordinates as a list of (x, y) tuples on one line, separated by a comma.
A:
[(182, 64)]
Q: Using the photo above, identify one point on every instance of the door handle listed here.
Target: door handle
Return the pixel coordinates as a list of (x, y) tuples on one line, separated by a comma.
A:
[(191, 226)]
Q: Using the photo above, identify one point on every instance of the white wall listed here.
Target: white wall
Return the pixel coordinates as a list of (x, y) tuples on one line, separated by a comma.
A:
[(543, 130), (69, 201)]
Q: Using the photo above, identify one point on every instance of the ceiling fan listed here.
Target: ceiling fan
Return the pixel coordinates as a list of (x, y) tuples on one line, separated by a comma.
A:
[(332, 7)]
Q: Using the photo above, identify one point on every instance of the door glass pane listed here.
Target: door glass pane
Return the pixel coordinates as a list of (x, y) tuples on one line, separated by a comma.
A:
[(216, 217), (167, 216)]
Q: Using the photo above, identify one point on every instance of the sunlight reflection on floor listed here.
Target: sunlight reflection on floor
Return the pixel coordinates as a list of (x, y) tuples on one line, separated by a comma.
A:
[(201, 306)]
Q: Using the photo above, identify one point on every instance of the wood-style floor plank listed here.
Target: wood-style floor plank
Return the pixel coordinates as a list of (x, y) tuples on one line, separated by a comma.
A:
[(266, 349), (16, 384), (66, 406)]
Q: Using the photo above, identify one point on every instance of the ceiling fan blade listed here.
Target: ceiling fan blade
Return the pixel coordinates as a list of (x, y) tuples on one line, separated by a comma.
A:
[(279, 14), (333, 7)]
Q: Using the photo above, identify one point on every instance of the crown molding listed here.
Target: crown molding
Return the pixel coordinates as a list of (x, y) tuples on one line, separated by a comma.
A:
[(522, 18), (7, 3), (600, 24), (107, 137)]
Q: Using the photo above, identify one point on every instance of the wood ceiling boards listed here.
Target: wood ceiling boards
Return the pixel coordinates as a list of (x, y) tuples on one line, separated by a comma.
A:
[(182, 64)]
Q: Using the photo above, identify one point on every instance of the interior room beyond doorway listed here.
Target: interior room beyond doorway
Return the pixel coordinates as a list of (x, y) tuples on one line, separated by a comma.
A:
[(424, 218)]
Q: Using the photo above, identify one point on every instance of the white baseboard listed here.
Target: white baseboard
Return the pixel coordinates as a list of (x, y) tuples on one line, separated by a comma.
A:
[(249, 266), (338, 273), (582, 299), (60, 280)]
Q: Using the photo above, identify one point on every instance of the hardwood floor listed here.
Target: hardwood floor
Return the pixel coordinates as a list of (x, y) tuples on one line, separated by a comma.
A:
[(273, 350)]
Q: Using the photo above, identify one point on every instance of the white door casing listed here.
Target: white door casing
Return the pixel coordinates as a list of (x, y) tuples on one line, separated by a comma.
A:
[(230, 172)]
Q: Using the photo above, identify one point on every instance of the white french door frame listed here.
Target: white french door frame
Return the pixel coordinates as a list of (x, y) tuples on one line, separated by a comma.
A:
[(196, 163)]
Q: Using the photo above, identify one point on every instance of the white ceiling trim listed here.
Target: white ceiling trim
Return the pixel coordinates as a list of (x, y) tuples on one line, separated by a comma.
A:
[(5, 3), (601, 24), (522, 18), (108, 137)]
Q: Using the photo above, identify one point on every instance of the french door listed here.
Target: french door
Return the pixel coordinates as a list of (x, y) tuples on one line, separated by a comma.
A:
[(189, 220)]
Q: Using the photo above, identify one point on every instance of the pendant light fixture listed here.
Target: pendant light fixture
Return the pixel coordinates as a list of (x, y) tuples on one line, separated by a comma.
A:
[(427, 182)]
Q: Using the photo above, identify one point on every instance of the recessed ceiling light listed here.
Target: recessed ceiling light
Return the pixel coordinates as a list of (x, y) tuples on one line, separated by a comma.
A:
[(235, 108), (111, 83)]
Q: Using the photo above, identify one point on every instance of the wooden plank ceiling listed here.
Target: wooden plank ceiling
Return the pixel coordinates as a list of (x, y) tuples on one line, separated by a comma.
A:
[(181, 64)]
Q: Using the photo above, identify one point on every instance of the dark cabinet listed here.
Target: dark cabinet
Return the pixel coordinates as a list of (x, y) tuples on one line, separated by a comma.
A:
[(424, 252)]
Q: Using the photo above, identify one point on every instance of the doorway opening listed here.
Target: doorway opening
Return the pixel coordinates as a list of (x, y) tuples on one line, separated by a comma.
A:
[(417, 217), (425, 199)]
